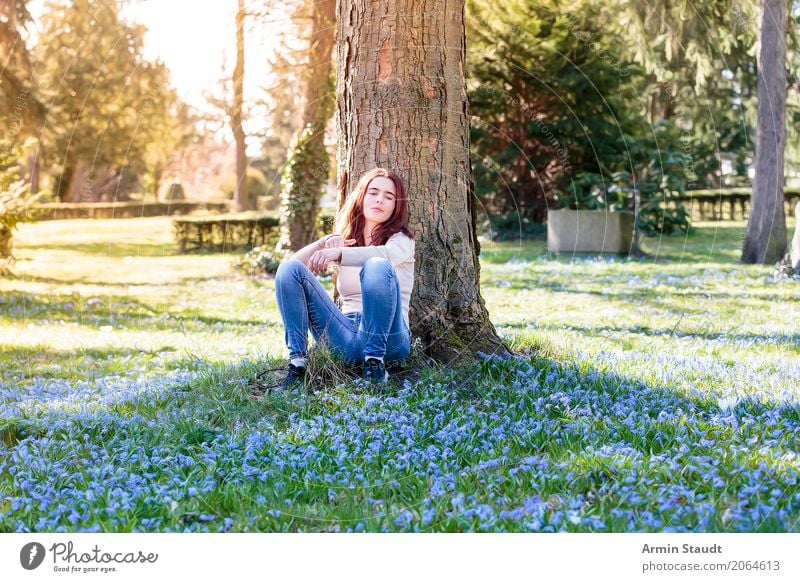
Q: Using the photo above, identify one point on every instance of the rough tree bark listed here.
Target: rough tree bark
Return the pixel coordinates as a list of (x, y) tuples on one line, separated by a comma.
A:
[(402, 104), (241, 200), (765, 241), (307, 166)]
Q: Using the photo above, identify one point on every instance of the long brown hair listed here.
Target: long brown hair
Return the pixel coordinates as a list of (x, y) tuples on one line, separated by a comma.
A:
[(350, 221)]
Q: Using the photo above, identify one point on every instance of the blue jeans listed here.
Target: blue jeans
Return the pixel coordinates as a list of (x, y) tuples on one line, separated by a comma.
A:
[(379, 331)]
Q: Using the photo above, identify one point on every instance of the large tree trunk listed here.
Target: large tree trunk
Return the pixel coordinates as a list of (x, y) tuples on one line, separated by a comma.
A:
[(766, 229), (307, 166), (241, 199), (402, 104)]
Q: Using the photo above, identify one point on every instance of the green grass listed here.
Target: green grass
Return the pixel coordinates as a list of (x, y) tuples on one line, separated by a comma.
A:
[(125, 372)]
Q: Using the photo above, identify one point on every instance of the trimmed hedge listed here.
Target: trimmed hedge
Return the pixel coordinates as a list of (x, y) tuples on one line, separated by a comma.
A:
[(244, 230), (67, 211), (225, 232)]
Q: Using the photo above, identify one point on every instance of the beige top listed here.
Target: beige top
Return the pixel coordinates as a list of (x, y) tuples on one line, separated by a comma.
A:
[(398, 250)]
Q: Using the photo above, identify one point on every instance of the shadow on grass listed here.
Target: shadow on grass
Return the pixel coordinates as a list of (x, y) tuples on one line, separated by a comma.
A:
[(127, 311), (707, 243), (789, 341), (571, 432), (110, 249), (71, 363), (670, 299)]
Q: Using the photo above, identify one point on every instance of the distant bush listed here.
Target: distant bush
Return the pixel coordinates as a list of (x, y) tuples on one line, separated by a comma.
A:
[(260, 261), (264, 259), (15, 200), (171, 191), (660, 182), (512, 226), (257, 186)]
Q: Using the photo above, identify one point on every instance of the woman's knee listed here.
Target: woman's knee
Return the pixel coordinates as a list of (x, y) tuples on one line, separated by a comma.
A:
[(288, 269), (376, 269)]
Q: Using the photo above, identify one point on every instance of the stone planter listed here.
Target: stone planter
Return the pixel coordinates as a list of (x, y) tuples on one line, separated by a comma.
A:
[(589, 231)]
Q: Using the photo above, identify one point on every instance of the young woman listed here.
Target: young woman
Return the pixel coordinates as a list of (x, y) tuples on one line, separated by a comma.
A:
[(374, 251)]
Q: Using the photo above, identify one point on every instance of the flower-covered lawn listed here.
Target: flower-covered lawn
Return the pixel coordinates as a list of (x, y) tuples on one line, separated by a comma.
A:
[(658, 394)]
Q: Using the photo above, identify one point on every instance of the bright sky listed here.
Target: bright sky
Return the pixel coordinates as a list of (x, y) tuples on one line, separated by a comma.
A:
[(194, 39)]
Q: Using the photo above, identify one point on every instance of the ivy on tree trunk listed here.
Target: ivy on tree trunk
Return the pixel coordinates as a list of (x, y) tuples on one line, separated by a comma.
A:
[(307, 166)]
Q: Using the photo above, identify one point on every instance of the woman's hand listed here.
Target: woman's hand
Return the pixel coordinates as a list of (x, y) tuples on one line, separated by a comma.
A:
[(337, 241), (319, 261)]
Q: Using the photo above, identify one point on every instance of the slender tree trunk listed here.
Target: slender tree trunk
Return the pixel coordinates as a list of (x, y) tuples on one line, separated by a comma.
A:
[(35, 171), (666, 107), (241, 200), (653, 108), (63, 186), (307, 166), (765, 241), (318, 106), (78, 184), (158, 174), (402, 104)]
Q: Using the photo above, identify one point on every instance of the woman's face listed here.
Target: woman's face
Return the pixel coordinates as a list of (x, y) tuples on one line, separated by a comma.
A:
[(379, 200)]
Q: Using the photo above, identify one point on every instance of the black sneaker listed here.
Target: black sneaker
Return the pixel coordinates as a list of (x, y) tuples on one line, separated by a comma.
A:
[(295, 376), (374, 371)]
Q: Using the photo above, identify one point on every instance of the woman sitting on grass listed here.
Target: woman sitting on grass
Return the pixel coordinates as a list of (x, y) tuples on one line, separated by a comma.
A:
[(375, 253)]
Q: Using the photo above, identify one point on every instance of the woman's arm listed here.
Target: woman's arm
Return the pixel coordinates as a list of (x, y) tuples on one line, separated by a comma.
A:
[(398, 249), (305, 253)]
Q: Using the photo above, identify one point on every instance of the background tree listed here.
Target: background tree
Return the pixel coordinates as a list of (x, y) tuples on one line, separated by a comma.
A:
[(283, 107), (171, 129), (696, 32), (680, 41), (268, 104), (15, 198), (308, 165), (765, 241), (551, 97), (100, 94), (18, 102), (402, 104), (281, 103), (560, 118), (701, 60), (241, 201)]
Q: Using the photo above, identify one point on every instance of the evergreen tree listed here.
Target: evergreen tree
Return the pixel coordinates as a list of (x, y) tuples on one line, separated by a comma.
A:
[(553, 99), (103, 99)]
